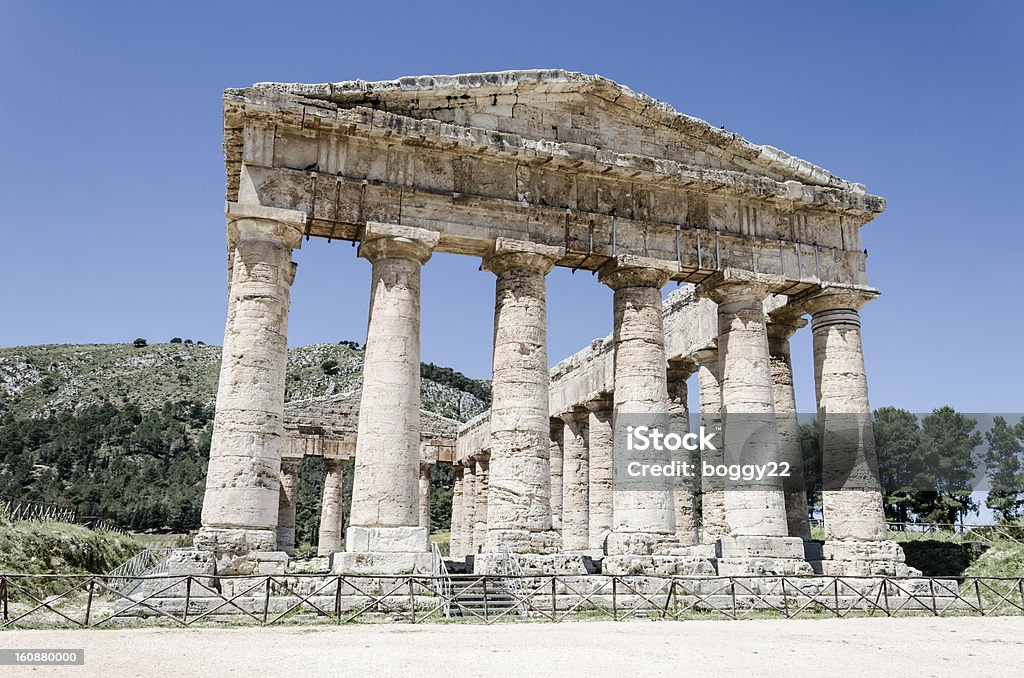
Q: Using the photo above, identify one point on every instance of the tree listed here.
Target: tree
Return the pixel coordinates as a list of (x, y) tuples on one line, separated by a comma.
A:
[(329, 366), (176, 340), (1003, 461), (900, 463), (810, 445), (139, 343), (948, 440)]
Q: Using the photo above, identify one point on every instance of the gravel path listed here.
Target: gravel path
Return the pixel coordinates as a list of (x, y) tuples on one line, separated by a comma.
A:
[(790, 648)]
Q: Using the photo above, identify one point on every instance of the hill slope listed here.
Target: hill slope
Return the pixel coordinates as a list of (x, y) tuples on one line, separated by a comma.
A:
[(123, 432), (40, 381)]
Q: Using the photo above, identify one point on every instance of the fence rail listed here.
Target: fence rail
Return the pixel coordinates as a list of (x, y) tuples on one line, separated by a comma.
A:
[(89, 601), (23, 509)]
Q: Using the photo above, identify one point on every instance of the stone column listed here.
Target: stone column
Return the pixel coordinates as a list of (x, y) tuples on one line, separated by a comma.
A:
[(645, 515), (599, 447), (575, 482), (679, 422), (483, 496), (855, 528), (519, 502), (424, 495), (456, 549), (286, 506), (755, 510), (242, 481), (385, 494), (782, 326), (713, 525), (470, 498), (555, 456), (332, 508)]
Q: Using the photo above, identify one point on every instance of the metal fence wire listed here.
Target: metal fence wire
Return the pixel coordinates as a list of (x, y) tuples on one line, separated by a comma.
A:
[(91, 601)]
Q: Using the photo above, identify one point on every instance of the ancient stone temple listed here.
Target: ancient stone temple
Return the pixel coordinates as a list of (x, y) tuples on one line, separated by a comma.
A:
[(528, 170)]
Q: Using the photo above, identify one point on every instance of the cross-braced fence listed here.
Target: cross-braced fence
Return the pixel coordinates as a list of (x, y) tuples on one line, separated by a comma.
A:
[(90, 601), (21, 509)]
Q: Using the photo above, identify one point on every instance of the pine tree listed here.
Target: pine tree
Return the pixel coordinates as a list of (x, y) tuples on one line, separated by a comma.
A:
[(1004, 471), (948, 440), (900, 462)]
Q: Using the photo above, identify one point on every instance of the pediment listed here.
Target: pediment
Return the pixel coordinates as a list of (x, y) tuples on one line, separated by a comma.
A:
[(569, 108)]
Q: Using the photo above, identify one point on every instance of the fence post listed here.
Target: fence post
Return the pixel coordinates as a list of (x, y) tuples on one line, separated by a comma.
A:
[(554, 597), (88, 601), (977, 593), (615, 597), (931, 586), (188, 599), (885, 596), (785, 601), (266, 601), (487, 614), (3, 594), (412, 601), (337, 600)]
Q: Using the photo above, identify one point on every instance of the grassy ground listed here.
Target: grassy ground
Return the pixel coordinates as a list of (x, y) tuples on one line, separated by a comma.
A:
[(31, 547)]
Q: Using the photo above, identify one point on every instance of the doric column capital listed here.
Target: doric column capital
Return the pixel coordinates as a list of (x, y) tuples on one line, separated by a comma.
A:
[(632, 271), (602, 404), (834, 298), (392, 241), (290, 466), (269, 223), (510, 254), (577, 416), (783, 325), (681, 369), (735, 286), (706, 357)]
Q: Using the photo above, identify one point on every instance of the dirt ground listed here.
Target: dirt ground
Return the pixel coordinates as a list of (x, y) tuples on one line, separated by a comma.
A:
[(790, 648)]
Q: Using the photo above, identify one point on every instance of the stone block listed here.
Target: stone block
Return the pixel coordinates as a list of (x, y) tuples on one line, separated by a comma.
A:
[(658, 566), (533, 563), (638, 543), (382, 563), (862, 550), (523, 541), (387, 540), (760, 547), (744, 567), (271, 562)]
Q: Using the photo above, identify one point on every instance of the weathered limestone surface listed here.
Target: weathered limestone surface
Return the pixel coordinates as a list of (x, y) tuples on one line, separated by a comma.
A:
[(575, 482), (519, 490), (713, 524), (331, 508), (385, 492), (599, 448), (555, 459), (242, 482), (471, 501), (643, 518), (286, 506), (457, 544), (483, 497), (424, 496), (327, 426), (532, 169), (780, 329), (679, 422), (855, 528), (755, 510)]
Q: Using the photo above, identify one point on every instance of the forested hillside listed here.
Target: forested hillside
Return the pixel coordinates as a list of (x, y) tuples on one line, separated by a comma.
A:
[(123, 431)]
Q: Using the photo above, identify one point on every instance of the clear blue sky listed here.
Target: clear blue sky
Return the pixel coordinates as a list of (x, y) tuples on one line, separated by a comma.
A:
[(112, 184)]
